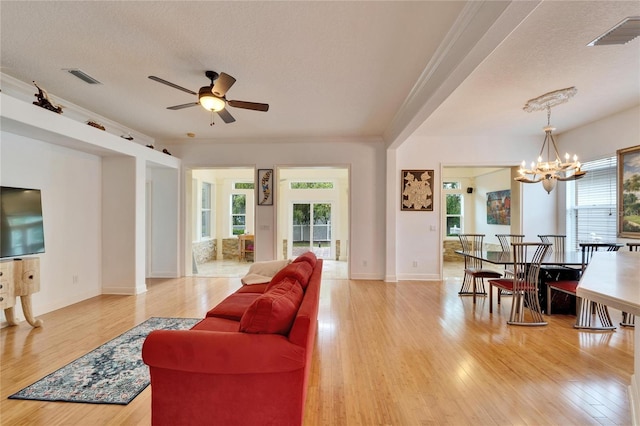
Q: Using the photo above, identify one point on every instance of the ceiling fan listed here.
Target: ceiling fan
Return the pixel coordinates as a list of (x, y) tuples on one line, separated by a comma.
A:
[(212, 97)]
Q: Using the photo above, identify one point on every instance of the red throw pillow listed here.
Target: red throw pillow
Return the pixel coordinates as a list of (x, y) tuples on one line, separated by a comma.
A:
[(309, 257), (274, 311), (300, 271)]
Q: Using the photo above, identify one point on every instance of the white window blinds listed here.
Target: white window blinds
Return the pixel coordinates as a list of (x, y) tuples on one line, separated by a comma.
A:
[(595, 202)]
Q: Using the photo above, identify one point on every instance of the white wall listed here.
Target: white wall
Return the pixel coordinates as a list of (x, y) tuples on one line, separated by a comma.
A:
[(603, 137), (165, 222), (366, 161), (70, 181)]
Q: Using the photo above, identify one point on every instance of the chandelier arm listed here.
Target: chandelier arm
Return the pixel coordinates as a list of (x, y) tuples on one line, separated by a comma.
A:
[(524, 179), (546, 136), (555, 147)]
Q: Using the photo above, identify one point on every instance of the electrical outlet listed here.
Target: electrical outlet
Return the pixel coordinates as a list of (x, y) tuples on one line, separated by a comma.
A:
[(75, 279), (415, 263), (364, 263)]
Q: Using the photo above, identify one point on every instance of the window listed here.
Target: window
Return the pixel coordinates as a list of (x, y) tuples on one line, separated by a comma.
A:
[(205, 211), (238, 213), (454, 208), (591, 205), (450, 185), (244, 185), (311, 185)]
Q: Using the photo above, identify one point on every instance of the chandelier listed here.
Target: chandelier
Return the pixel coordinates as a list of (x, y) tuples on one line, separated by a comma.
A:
[(551, 169)]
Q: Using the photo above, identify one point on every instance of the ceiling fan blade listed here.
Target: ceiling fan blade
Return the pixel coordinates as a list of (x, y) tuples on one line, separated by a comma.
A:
[(226, 116), (176, 107), (222, 84), (168, 83), (249, 105)]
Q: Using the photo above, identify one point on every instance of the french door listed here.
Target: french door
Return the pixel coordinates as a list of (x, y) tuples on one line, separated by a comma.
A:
[(312, 229)]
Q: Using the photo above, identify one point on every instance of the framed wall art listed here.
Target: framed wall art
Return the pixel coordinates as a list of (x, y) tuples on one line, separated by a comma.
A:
[(629, 192), (499, 207), (417, 190), (265, 187)]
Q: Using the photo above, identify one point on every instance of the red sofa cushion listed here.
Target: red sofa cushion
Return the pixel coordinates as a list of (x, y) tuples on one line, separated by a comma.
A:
[(300, 271), (273, 312), (234, 306), (253, 288), (308, 257), (217, 324)]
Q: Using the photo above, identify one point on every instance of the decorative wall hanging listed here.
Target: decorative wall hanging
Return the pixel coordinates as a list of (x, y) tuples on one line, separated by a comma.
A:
[(499, 207), (417, 190), (629, 192), (265, 187)]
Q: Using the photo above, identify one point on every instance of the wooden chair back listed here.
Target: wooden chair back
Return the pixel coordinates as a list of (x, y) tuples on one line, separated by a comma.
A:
[(634, 246)]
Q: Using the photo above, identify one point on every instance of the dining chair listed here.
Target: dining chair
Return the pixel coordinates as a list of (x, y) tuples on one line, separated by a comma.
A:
[(505, 245), (474, 273), (629, 320), (557, 246), (523, 284), (557, 242), (585, 308)]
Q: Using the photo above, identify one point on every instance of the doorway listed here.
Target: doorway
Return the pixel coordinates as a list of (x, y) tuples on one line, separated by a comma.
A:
[(311, 229), (221, 211), (465, 192), (313, 215)]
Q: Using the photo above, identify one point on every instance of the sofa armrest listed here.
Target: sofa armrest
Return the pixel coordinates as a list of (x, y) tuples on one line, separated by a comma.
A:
[(214, 352)]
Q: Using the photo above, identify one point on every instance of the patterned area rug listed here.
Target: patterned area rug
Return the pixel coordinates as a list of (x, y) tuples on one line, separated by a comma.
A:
[(111, 374)]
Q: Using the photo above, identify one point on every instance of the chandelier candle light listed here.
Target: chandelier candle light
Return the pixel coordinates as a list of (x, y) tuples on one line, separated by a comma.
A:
[(551, 170)]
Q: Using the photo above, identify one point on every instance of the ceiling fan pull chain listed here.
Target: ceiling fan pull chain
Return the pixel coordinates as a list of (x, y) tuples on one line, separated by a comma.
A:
[(212, 123)]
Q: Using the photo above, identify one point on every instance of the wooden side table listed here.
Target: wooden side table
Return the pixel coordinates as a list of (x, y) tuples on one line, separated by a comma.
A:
[(243, 239), (19, 277)]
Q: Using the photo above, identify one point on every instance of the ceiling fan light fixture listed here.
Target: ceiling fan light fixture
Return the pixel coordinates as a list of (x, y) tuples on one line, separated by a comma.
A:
[(209, 101)]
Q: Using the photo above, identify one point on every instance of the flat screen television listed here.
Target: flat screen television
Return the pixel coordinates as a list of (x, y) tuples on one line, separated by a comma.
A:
[(21, 225)]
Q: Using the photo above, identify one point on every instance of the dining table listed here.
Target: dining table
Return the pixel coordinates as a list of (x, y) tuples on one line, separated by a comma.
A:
[(572, 259), (555, 266)]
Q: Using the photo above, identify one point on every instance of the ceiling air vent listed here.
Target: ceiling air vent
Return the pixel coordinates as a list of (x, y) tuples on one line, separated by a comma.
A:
[(82, 75), (622, 33)]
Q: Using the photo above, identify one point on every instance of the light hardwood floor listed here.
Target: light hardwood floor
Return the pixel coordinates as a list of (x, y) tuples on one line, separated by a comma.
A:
[(408, 353)]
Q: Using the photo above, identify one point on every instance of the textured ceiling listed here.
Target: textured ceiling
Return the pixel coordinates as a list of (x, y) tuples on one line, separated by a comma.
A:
[(548, 51), (329, 70)]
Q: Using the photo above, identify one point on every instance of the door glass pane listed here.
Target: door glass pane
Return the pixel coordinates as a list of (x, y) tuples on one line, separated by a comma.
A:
[(238, 210), (301, 228), (322, 230)]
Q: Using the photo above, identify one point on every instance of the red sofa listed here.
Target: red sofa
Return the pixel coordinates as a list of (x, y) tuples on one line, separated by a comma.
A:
[(247, 362)]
